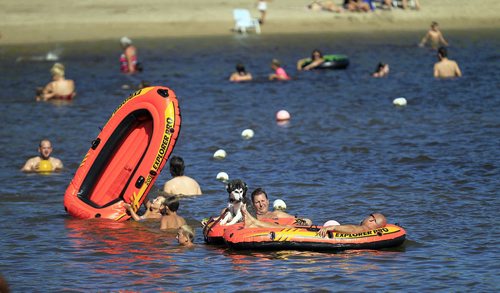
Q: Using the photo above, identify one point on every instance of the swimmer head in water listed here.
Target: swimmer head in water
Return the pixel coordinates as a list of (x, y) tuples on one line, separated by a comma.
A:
[(45, 149)]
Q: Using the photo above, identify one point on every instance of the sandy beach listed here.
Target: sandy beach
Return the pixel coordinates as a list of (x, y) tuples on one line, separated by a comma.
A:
[(53, 21)]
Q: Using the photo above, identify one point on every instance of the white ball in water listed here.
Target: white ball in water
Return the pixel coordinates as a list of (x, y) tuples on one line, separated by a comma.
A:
[(222, 176), (330, 223), (220, 154), (282, 115), (400, 101), (247, 133)]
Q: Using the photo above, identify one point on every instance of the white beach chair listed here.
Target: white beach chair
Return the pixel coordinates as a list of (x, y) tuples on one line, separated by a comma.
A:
[(243, 21)]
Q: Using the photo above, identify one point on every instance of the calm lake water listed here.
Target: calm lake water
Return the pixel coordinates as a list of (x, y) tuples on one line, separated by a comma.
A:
[(432, 166)]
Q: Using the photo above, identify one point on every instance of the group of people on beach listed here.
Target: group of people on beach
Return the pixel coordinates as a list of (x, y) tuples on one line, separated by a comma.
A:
[(362, 5)]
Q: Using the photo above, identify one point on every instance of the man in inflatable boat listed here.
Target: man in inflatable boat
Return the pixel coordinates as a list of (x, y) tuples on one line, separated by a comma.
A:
[(373, 221), (44, 162), (260, 202)]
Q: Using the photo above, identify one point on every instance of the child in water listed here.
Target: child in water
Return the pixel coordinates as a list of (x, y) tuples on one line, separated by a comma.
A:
[(280, 73), (381, 70), (185, 236)]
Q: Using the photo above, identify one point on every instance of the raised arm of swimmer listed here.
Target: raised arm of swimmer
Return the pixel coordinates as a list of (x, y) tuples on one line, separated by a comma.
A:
[(134, 215)]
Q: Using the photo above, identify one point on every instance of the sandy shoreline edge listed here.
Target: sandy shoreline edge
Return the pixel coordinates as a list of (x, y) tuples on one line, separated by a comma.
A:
[(107, 19)]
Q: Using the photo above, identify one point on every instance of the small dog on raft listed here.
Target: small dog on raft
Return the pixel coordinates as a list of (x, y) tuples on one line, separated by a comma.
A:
[(237, 190)]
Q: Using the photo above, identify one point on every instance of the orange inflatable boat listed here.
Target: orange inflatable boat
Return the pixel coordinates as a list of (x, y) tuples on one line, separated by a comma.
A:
[(126, 158), (213, 232), (308, 239)]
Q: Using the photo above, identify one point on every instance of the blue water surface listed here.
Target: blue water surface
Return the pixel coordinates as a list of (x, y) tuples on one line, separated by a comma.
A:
[(432, 166)]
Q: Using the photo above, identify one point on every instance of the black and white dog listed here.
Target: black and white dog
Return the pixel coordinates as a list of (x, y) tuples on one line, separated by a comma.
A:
[(237, 190)]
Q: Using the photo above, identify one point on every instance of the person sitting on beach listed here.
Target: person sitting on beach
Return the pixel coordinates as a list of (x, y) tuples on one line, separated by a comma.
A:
[(324, 5), (404, 4), (180, 184), (381, 70), (435, 37), (44, 162), (59, 88), (315, 61), (446, 68), (153, 209), (171, 220), (356, 6), (240, 75), (128, 59), (280, 73), (185, 236), (260, 203)]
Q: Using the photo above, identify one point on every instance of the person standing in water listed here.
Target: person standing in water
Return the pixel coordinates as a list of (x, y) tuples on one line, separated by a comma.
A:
[(241, 74), (279, 72), (44, 162), (59, 88), (435, 37), (180, 184), (128, 59), (446, 68)]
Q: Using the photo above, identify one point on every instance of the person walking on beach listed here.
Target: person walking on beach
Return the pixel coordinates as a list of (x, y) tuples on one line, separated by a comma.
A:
[(59, 88), (128, 59), (435, 37), (44, 162), (262, 7), (446, 68)]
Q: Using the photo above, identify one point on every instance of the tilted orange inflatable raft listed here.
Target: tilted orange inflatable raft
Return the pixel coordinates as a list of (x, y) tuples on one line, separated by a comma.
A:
[(308, 239), (126, 158), (213, 232)]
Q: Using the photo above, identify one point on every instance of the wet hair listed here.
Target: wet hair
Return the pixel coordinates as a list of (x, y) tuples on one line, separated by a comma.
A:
[(443, 52), (41, 141), (125, 41), (187, 231), (258, 191), (172, 202), (316, 51), (57, 69), (176, 166), (379, 67), (240, 68), (433, 24)]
